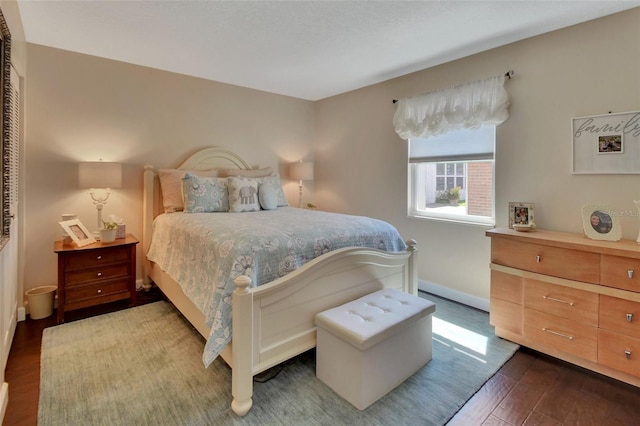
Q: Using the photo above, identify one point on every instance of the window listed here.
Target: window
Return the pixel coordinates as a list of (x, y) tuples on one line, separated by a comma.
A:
[(451, 176)]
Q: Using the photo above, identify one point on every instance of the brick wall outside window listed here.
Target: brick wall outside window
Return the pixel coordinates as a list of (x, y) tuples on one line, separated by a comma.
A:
[(480, 188)]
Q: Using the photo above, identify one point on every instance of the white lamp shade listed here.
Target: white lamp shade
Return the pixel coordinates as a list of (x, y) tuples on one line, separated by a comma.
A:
[(301, 171), (99, 174)]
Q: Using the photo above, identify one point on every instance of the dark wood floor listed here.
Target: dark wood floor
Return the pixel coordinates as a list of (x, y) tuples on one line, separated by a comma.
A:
[(530, 389)]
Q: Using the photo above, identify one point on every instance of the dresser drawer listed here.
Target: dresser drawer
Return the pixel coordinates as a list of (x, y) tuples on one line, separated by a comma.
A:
[(619, 352), (561, 334), (565, 302), (506, 315), (96, 290), (506, 287), (103, 273), (554, 261), (94, 258), (620, 272), (622, 316)]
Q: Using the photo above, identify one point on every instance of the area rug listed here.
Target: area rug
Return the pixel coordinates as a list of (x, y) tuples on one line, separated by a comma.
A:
[(143, 366)]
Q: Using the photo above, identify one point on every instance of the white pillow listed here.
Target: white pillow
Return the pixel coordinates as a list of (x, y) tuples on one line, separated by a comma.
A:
[(204, 194), (171, 186), (243, 194)]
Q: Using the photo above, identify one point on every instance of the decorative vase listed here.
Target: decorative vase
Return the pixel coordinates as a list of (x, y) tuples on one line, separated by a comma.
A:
[(108, 235)]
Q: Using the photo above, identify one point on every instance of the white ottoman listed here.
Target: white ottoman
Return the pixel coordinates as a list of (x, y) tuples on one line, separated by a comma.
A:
[(367, 347)]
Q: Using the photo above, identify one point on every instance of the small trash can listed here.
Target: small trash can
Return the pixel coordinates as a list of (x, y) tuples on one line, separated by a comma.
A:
[(41, 301)]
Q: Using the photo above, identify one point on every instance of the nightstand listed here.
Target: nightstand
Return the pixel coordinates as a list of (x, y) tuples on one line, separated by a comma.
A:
[(95, 274)]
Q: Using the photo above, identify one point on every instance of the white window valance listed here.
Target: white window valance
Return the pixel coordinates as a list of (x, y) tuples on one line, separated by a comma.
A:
[(467, 106)]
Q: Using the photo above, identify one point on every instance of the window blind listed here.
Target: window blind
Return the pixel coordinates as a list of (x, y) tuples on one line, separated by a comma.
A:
[(457, 145)]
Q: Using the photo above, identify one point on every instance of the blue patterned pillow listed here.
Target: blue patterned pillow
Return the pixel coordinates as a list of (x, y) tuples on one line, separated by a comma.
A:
[(267, 197), (204, 194), (273, 182), (243, 194)]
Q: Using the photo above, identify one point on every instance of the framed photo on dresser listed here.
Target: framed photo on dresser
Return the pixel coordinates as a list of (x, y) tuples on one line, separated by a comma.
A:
[(601, 223), (521, 214)]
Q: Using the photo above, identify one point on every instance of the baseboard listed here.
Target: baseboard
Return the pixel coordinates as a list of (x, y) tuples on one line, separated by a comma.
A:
[(22, 314), (4, 400), (455, 295)]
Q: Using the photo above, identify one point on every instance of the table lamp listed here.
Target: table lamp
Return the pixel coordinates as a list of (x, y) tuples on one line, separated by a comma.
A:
[(301, 171), (100, 177)]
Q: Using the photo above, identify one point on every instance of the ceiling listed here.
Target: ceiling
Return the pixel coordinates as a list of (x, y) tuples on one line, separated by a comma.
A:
[(305, 49)]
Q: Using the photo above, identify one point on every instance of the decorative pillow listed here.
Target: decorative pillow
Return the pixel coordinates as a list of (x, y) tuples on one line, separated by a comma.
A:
[(243, 194), (267, 197), (273, 182), (204, 194), (253, 173), (171, 186)]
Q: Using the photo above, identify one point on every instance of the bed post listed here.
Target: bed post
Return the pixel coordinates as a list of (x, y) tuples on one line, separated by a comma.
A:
[(148, 214), (412, 247), (242, 351)]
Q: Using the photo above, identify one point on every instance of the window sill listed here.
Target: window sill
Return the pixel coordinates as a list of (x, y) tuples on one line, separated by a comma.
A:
[(485, 222)]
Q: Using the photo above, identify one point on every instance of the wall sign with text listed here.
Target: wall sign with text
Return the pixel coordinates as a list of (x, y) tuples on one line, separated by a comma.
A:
[(606, 144)]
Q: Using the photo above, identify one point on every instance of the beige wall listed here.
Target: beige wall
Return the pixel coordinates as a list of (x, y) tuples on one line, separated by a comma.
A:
[(83, 108), (588, 69)]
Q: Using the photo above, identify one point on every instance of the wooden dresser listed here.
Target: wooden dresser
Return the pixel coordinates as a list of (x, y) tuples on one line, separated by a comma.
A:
[(95, 274), (571, 297)]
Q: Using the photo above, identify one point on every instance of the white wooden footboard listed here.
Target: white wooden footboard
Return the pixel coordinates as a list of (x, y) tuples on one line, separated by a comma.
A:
[(275, 321)]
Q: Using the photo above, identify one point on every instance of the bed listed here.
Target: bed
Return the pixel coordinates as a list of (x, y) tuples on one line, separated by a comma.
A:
[(272, 319)]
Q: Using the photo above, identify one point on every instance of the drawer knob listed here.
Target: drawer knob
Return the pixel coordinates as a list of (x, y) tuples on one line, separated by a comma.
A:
[(553, 299), (627, 354), (99, 291), (98, 257), (99, 274), (629, 317), (566, 336), (630, 273), (538, 259)]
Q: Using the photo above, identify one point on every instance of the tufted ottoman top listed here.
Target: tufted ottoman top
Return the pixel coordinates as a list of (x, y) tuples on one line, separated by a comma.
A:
[(373, 318)]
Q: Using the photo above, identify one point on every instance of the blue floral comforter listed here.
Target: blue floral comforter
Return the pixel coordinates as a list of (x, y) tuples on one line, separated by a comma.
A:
[(205, 252)]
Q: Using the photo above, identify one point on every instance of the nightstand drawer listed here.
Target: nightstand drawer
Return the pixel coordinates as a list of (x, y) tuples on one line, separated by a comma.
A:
[(93, 258), (107, 272), (96, 290)]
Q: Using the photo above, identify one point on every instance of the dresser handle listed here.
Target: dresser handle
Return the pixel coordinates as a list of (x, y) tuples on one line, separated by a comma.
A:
[(630, 273), (629, 317), (627, 354), (98, 257), (538, 259), (99, 291), (558, 300), (566, 336), (99, 274)]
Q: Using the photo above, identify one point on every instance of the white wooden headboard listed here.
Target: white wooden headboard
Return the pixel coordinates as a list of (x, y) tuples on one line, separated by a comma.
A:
[(205, 159)]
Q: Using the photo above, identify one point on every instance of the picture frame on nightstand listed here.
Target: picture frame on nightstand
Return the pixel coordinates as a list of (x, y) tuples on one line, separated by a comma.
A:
[(78, 232)]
